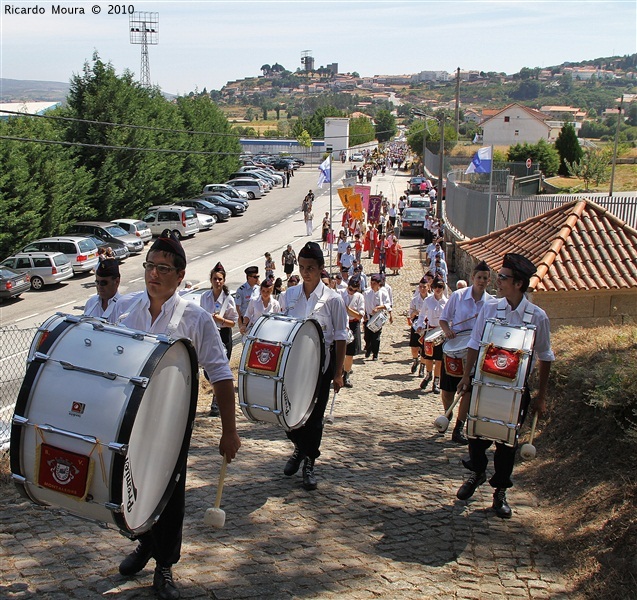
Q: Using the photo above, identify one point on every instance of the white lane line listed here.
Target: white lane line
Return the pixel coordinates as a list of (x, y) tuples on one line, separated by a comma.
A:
[(134, 280), (238, 241), (208, 253), (226, 246), (252, 235), (27, 317), (65, 304), (264, 230), (196, 257)]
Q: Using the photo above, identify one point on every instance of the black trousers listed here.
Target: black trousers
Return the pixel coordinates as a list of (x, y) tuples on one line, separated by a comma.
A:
[(308, 437), (372, 341), (504, 456)]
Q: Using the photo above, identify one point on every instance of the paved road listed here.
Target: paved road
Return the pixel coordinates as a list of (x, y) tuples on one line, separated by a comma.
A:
[(384, 522)]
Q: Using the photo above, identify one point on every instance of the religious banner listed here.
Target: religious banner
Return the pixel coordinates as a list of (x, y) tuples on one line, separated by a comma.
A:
[(375, 205), (364, 191), (356, 206), (351, 173), (349, 181), (344, 194)]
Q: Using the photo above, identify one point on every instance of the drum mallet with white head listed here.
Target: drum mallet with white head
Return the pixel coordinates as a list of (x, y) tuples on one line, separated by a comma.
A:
[(216, 517), (442, 422), (330, 418), (527, 452)]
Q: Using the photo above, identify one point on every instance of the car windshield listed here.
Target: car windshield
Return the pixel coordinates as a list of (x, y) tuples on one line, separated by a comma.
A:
[(414, 214), (87, 245), (61, 260), (115, 230), (7, 273)]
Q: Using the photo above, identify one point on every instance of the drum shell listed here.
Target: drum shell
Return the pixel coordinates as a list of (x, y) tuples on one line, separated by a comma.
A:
[(284, 395), (144, 431), (495, 407), (377, 320), (435, 336), (458, 346)]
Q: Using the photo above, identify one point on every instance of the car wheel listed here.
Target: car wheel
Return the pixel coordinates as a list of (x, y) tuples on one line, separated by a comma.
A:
[(251, 195), (177, 234), (214, 218), (37, 283)]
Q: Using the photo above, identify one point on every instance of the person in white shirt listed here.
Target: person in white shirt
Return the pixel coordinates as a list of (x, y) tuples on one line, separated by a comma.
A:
[(440, 268), (355, 305), (427, 320), (107, 280), (458, 315), (415, 345), (376, 300), (248, 290), (313, 299), (221, 305), (160, 310), (292, 281), (513, 307), (347, 258), (262, 304)]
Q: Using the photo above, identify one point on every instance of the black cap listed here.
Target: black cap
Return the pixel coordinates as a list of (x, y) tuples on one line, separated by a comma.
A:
[(354, 281), (251, 271), (268, 282), (169, 242), (325, 274), (108, 268), (519, 263), (293, 279), (376, 277), (218, 268), (423, 281), (482, 266), (311, 250)]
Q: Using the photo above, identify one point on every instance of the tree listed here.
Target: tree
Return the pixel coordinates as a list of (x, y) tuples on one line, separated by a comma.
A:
[(541, 152), (304, 139), (568, 148), (267, 69), (385, 125), (593, 167), (361, 130)]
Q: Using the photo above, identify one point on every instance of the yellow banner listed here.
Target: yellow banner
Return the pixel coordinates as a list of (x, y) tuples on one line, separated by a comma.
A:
[(356, 206), (345, 195)]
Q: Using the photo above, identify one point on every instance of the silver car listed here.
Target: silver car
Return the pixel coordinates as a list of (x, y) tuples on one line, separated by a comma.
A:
[(44, 268), (135, 227), (109, 232)]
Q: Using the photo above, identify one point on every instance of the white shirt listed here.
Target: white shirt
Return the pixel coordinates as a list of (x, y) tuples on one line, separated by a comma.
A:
[(416, 303), (93, 307), (132, 311), (542, 346), (374, 299), (245, 293), (212, 306), (355, 302), (347, 260), (461, 310), (256, 309), (431, 310)]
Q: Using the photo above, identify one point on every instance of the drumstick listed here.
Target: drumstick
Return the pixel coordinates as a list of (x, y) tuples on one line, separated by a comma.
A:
[(216, 517), (330, 418), (527, 452), (442, 422)]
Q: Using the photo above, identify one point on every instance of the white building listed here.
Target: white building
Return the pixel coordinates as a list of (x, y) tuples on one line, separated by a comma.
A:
[(516, 124)]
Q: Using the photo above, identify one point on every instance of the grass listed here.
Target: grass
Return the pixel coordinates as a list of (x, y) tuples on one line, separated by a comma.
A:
[(625, 181), (584, 475)]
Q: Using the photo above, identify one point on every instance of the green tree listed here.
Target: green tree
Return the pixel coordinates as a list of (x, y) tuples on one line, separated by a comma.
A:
[(541, 152), (593, 167), (304, 139), (385, 125), (568, 148), (361, 130)]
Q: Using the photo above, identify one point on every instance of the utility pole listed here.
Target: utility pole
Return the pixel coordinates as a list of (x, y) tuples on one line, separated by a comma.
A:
[(612, 173), (457, 102), (441, 168)]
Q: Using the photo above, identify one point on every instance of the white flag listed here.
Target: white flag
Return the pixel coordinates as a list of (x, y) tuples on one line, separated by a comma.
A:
[(481, 162), (325, 175)]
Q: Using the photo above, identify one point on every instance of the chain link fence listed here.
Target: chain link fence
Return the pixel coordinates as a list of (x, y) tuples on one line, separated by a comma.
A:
[(14, 347)]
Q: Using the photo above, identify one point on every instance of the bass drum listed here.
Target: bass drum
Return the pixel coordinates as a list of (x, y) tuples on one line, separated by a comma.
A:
[(103, 420), (280, 370)]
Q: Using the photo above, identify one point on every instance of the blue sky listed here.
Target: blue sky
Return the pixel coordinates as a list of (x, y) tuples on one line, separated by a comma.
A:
[(206, 43)]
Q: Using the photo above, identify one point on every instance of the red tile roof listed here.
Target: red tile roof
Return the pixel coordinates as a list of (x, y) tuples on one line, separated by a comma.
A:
[(576, 246)]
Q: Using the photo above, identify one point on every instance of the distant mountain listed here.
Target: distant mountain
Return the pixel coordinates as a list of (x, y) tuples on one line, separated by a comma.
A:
[(18, 90)]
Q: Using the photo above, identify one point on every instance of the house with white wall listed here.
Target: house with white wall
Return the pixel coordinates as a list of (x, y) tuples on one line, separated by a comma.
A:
[(516, 124)]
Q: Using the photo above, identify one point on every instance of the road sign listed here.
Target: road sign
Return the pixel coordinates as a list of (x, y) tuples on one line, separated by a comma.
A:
[(528, 163)]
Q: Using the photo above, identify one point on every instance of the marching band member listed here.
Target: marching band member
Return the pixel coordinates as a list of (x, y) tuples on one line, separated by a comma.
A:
[(107, 282), (313, 299), (512, 282), (221, 305), (355, 305), (414, 337), (459, 314), (376, 299), (159, 309), (263, 303)]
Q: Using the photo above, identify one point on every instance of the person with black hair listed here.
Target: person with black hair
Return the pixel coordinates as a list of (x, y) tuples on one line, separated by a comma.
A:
[(160, 310), (515, 309), (313, 299), (107, 280)]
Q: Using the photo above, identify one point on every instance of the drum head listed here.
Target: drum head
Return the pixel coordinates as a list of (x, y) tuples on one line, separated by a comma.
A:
[(161, 417), (459, 344)]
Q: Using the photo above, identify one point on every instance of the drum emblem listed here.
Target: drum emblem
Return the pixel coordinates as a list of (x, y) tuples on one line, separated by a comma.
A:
[(63, 471), (264, 356), (501, 361)]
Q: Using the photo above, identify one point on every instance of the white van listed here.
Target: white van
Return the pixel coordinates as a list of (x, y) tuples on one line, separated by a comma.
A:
[(182, 220)]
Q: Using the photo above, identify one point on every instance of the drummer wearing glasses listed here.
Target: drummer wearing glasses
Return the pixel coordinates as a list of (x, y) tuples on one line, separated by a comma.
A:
[(160, 310), (515, 309), (107, 281), (313, 299)]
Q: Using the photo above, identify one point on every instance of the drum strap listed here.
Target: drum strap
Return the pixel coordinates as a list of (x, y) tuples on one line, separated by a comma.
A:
[(224, 307), (527, 317), (178, 313)]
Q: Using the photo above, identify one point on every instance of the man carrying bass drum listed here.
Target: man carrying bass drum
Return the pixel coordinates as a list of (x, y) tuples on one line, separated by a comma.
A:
[(512, 282), (313, 299)]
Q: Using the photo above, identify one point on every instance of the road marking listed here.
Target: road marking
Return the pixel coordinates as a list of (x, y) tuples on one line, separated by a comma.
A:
[(27, 317), (134, 280), (252, 235), (207, 253), (264, 230), (238, 241), (195, 258), (226, 246), (65, 304)]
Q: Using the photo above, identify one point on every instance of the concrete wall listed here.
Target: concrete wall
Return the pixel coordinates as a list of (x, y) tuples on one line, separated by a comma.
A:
[(497, 132)]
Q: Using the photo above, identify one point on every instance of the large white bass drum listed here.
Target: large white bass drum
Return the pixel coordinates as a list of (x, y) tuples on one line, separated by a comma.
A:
[(103, 420), (280, 370)]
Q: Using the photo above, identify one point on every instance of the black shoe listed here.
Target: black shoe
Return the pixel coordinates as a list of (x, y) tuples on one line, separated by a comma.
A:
[(164, 585), (414, 365), (367, 354), (500, 505), (435, 389), (421, 371), (425, 382), (294, 462), (135, 561), (214, 409), (468, 487), (346, 382), (458, 435), (375, 358), (309, 479)]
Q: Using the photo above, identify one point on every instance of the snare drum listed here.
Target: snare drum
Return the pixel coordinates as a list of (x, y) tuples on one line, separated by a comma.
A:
[(498, 386), (455, 353), (377, 320), (280, 370), (102, 422)]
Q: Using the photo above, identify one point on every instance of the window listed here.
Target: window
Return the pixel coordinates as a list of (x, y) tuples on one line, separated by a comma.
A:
[(41, 262), (67, 248), (507, 119), (517, 132), (23, 263)]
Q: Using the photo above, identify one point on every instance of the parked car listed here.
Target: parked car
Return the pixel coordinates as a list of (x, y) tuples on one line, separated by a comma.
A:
[(206, 222), (226, 189), (236, 208), (281, 163), (413, 221), (109, 232), (420, 202), (135, 227), (203, 206), (228, 198), (254, 188), (266, 172), (43, 268), (252, 175), (357, 157), (80, 250), (120, 251), (12, 283), (181, 220)]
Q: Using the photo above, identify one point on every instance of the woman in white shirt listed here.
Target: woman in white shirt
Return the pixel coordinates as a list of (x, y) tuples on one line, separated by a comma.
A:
[(263, 304), (355, 305)]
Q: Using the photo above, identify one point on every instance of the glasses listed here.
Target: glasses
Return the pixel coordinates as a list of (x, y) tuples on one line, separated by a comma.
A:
[(253, 276), (503, 277), (161, 269), (102, 282), (352, 289)]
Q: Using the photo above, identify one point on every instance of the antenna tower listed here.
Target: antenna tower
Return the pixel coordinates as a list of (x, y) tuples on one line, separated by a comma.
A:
[(144, 30)]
